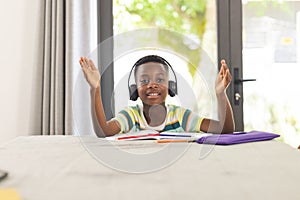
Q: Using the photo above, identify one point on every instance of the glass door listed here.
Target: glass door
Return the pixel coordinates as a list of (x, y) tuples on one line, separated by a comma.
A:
[(271, 54)]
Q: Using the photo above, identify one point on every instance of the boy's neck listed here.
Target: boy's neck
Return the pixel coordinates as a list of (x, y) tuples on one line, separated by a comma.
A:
[(155, 114)]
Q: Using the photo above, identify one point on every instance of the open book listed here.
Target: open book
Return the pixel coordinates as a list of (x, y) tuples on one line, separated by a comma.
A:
[(154, 135)]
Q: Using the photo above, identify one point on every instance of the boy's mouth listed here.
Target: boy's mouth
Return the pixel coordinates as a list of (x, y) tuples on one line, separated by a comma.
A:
[(153, 95)]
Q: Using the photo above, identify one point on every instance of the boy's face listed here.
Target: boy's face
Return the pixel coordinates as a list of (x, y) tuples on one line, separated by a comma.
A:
[(152, 83)]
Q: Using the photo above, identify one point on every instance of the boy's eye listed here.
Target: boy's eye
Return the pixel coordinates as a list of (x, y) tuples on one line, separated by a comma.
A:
[(160, 80), (144, 81)]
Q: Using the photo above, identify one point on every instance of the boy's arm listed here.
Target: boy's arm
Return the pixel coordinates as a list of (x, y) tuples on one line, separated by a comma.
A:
[(107, 128), (225, 124), (101, 126)]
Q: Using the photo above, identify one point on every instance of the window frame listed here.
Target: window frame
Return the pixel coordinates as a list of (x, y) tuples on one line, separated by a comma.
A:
[(229, 37), (105, 54)]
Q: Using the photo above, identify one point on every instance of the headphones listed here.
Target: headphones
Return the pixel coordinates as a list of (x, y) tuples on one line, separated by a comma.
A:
[(172, 85)]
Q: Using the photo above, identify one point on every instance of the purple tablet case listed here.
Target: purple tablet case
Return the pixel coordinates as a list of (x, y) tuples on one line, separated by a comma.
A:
[(237, 138)]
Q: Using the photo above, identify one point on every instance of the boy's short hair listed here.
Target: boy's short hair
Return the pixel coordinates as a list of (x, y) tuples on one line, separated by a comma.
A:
[(151, 58)]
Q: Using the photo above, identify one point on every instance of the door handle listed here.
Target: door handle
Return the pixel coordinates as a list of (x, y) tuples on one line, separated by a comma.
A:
[(238, 82)]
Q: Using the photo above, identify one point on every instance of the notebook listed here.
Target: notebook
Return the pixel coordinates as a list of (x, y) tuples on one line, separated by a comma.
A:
[(237, 138), (154, 135)]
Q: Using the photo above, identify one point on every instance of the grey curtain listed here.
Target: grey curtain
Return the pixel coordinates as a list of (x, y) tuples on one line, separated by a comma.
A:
[(68, 34)]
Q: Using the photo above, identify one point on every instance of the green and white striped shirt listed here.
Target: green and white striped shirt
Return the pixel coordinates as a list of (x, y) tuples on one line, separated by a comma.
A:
[(178, 119)]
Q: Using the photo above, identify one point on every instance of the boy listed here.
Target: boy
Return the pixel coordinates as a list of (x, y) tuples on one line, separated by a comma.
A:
[(151, 77)]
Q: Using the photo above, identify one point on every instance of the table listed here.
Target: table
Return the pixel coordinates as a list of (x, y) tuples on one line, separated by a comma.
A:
[(68, 167)]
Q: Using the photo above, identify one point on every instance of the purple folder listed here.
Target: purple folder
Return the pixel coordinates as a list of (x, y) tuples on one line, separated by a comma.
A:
[(237, 138)]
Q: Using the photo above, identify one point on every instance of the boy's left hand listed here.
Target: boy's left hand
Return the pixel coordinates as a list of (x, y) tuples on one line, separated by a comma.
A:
[(223, 79)]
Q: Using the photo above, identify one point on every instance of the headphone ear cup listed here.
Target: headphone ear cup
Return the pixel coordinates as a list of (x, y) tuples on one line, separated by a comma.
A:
[(133, 93), (172, 88)]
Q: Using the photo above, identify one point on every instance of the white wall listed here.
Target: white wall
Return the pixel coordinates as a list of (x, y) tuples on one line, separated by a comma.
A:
[(21, 64)]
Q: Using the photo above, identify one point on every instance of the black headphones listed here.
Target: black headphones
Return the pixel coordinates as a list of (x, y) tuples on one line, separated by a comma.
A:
[(172, 85)]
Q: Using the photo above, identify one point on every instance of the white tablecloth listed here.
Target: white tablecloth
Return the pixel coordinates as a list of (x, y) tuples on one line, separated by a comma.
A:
[(69, 167)]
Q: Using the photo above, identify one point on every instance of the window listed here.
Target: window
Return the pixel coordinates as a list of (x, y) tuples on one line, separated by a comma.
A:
[(271, 55)]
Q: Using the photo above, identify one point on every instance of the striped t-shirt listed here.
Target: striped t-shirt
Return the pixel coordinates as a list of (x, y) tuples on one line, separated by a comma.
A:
[(178, 119)]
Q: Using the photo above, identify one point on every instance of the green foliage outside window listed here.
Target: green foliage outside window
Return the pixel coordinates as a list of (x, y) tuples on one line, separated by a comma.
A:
[(186, 17)]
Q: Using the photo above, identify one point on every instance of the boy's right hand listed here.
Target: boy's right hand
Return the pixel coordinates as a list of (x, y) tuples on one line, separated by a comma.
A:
[(90, 71)]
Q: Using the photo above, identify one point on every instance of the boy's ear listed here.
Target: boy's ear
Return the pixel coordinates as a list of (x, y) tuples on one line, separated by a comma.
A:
[(172, 88), (133, 93)]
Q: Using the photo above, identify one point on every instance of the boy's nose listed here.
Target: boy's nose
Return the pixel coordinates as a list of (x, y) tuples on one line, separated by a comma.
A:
[(152, 84)]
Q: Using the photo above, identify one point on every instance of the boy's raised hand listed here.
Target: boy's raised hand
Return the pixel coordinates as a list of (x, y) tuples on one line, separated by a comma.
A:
[(90, 71), (223, 79)]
